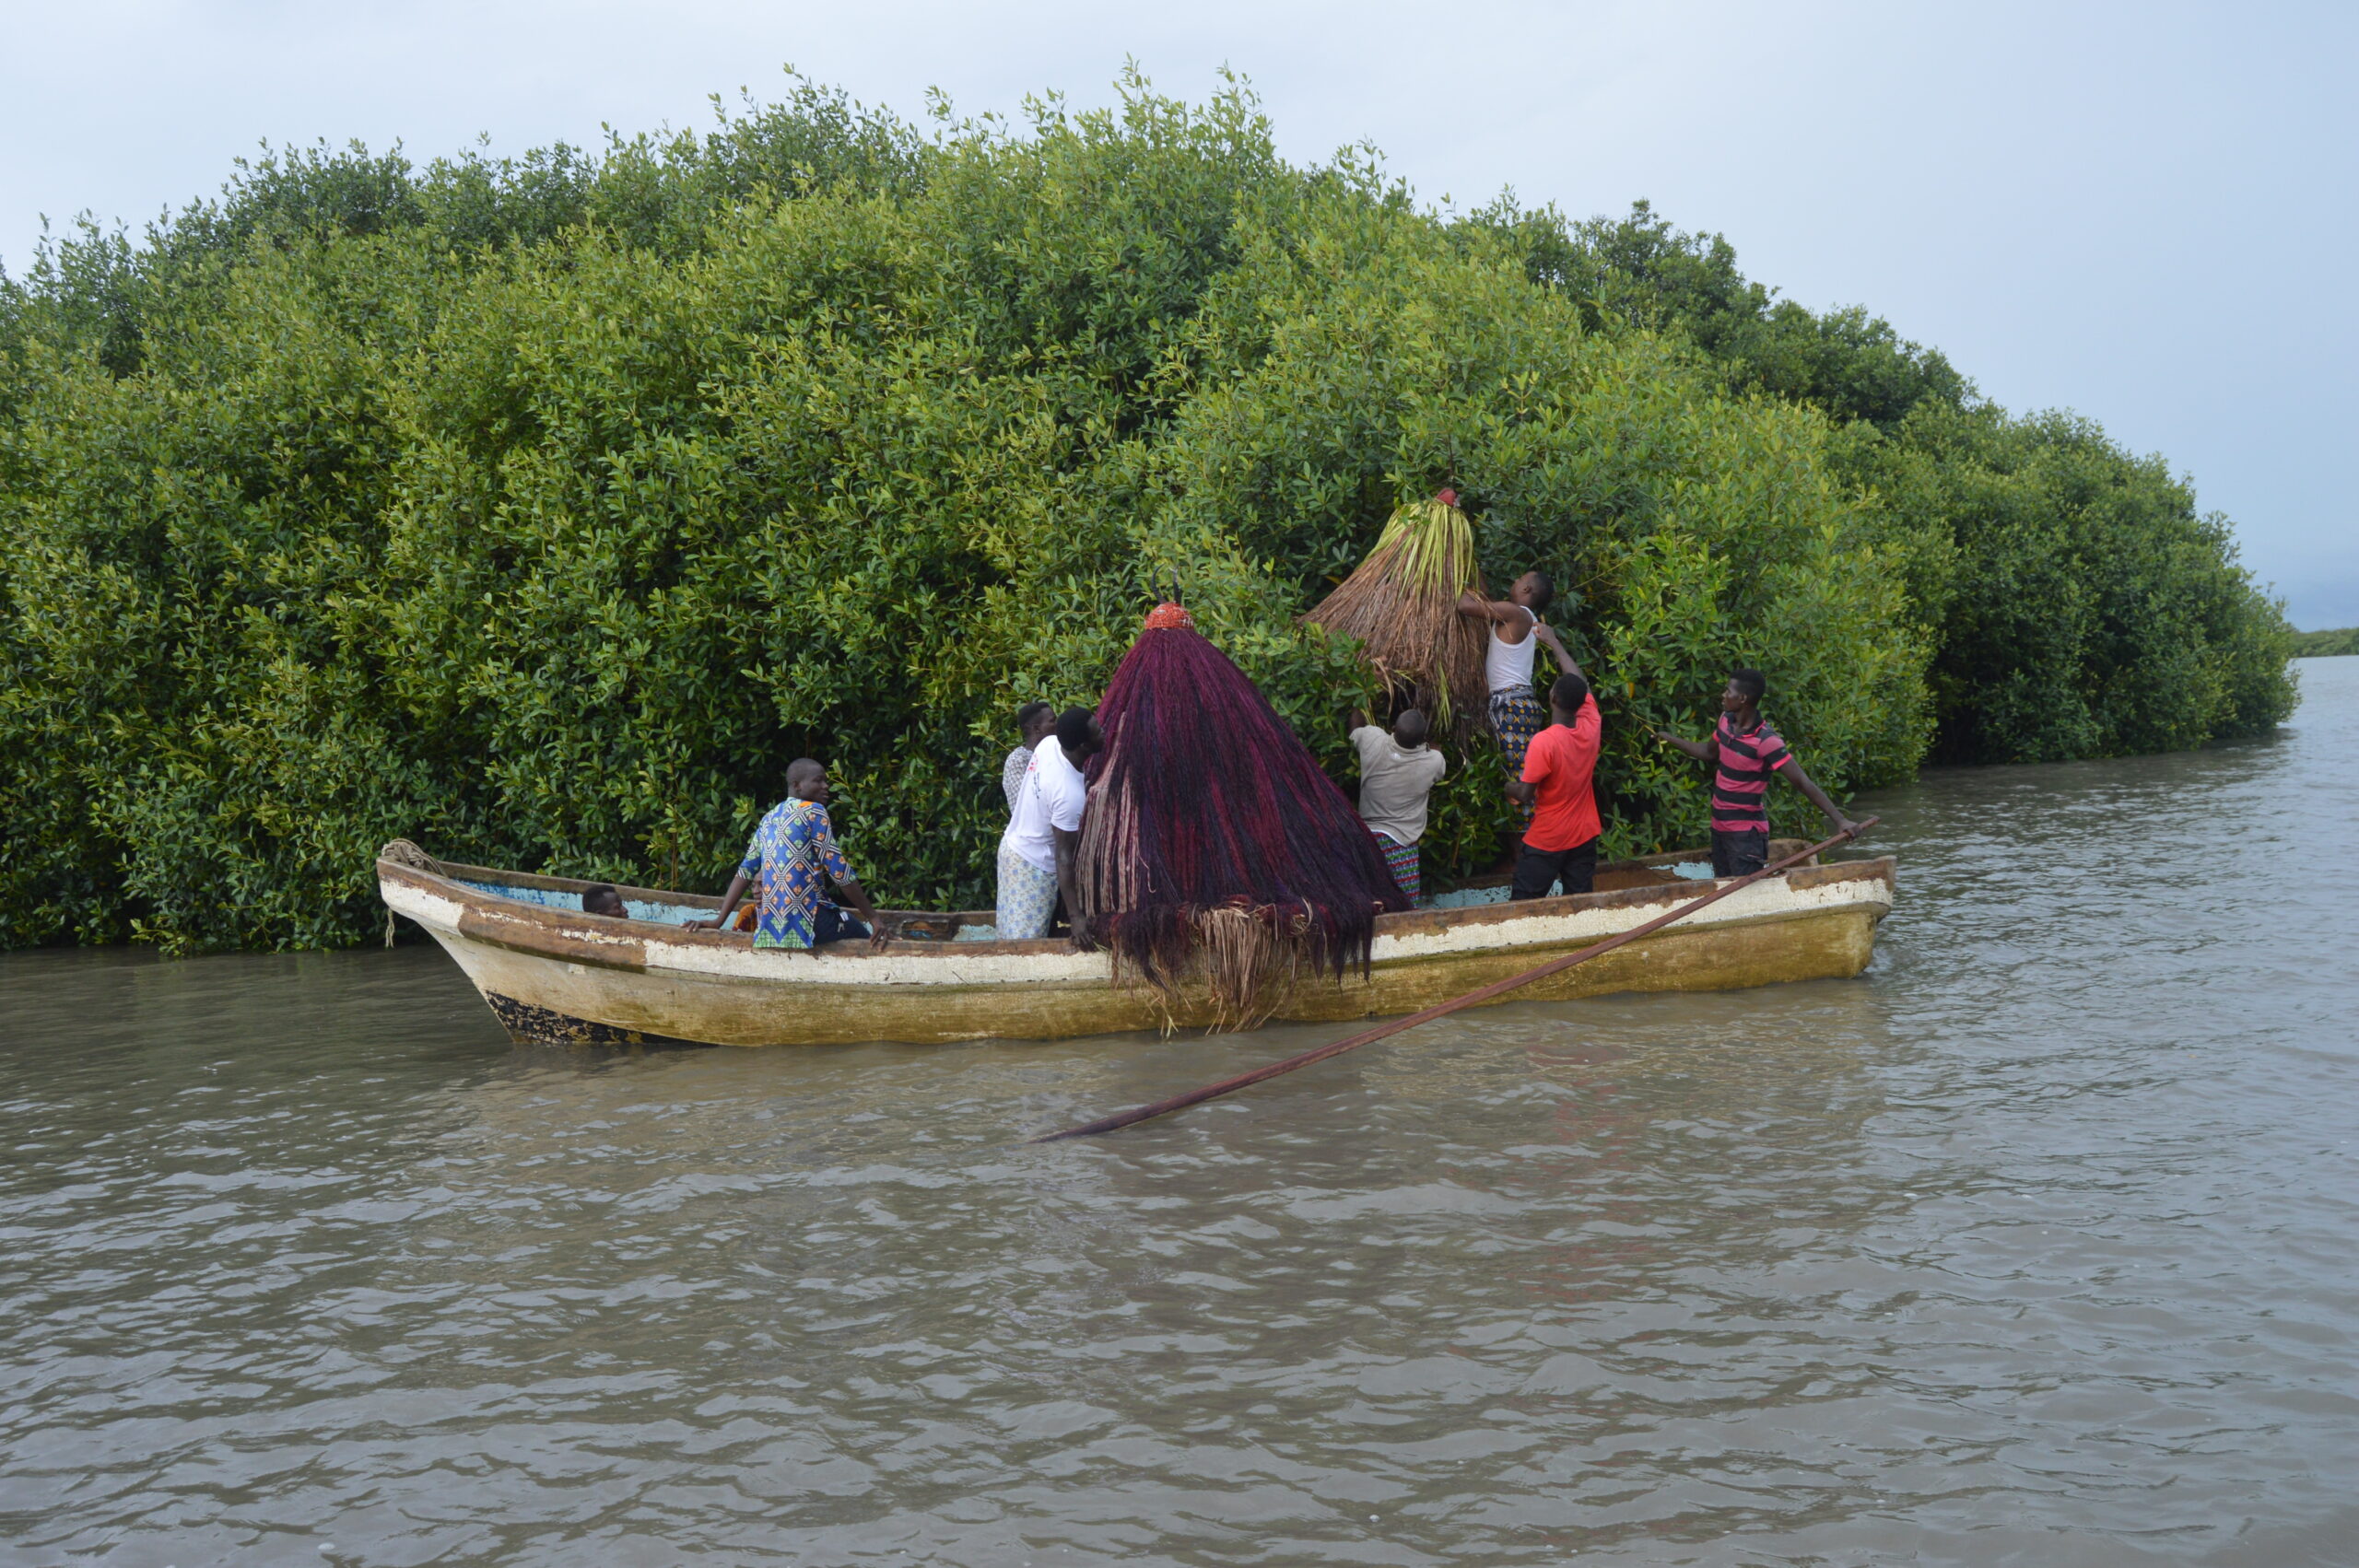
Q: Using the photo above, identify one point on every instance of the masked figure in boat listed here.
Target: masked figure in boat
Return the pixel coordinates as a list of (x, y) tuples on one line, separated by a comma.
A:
[(1215, 853)]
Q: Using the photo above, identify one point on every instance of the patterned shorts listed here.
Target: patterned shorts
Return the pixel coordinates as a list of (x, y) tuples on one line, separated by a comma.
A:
[(1028, 898), (1516, 717), (1401, 859)]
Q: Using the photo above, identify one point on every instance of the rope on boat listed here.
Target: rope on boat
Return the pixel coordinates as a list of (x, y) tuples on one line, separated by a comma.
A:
[(401, 852), (1496, 988)]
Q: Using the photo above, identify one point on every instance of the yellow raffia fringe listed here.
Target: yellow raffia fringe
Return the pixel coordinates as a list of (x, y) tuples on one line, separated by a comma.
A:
[(1246, 961), (1401, 603)]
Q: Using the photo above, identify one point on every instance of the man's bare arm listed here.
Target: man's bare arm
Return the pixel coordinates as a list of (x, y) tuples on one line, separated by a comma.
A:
[(1702, 751), (728, 907), (1547, 636), (1506, 612), (1815, 796), (857, 896), (1068, 846)]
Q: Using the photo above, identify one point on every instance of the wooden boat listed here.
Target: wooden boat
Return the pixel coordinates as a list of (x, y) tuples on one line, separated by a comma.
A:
[(556, 976)]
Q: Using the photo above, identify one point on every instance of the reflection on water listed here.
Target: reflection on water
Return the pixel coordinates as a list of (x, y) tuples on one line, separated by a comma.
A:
[(2033, 1245)]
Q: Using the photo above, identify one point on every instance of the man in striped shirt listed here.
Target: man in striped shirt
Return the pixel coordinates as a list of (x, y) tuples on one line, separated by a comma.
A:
[(1745, 751)]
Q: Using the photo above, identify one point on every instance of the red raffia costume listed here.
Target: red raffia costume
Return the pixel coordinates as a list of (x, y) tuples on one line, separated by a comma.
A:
[(1215, 851)]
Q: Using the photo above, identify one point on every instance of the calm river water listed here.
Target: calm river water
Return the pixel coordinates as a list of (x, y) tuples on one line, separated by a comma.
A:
[(2037, 1245)]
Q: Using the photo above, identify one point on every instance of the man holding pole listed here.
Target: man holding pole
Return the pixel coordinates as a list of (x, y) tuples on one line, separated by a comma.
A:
[(1744, 751)]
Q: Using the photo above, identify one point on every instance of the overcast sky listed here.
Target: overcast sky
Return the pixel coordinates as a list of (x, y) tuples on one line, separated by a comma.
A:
[(2143, 212)]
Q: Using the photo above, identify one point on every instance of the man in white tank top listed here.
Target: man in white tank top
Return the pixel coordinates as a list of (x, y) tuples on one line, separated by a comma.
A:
[(1516, 632)]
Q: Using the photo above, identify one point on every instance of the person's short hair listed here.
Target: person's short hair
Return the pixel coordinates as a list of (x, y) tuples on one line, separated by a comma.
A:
[(1543, 590), (1750, 681), (803, 768), (1073, 731), (1409, 727), (1570, 693), (598, 894), (1031, 713)]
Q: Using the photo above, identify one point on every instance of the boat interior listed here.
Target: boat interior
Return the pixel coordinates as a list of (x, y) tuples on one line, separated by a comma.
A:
[(662, 907)]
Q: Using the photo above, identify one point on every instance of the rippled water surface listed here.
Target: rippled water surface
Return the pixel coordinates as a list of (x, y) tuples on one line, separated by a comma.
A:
[(2036, 1245)]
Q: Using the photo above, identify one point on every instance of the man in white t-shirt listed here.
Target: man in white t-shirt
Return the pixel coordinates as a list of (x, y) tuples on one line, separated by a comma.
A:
[(1035, 853), (1398, 771)]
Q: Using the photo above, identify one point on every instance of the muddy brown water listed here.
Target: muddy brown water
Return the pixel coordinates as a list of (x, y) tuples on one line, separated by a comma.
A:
[(2035, 1245)]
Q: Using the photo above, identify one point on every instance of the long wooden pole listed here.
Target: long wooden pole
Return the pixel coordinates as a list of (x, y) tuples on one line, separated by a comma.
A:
[(1471, 999)]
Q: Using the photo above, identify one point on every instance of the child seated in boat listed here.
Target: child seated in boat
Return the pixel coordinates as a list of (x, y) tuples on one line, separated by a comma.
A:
[(601, 898), (793, 856), (1744, 751)]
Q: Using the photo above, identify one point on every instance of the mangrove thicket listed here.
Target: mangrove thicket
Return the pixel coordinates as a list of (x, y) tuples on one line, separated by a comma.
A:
[(542, 510)]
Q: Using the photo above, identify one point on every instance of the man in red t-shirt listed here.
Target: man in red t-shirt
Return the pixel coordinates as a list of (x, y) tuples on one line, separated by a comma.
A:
[(1561, 843)]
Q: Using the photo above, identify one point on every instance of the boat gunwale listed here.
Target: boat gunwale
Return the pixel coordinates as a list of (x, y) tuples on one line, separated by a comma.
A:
[(538, 929)]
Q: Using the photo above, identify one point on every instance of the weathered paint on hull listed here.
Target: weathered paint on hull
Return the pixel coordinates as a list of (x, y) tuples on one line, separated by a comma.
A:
[(1831, 945), (560, 979)]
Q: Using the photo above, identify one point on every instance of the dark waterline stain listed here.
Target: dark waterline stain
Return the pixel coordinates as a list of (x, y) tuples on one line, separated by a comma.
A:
[(2035, 1244)]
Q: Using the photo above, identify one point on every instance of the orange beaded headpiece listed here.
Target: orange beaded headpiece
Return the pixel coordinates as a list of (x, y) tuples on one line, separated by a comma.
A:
[(1168, 616)]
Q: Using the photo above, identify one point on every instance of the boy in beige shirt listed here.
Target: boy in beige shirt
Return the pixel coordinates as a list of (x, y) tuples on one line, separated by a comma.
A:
[(1398, 770)]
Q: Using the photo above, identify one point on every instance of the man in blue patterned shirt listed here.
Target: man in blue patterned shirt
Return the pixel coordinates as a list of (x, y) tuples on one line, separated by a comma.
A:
[(793, 856)]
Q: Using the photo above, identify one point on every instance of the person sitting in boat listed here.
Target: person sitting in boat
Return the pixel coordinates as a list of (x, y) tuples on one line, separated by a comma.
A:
[(1559, 768), (792, 854), (1033, 720), (1398, 771), (1744, 751), (1516, 632), (601, 898), (1035, 853)]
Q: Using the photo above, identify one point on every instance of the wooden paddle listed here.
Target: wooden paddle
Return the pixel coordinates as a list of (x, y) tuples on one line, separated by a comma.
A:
[(1474, 997)]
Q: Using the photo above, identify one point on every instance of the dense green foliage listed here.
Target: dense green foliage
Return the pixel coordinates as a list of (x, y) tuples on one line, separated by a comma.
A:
[(2089, 610), (2077, 604), (542, 510), (2327, 644)]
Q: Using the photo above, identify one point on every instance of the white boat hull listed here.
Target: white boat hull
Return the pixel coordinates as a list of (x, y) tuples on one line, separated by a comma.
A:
[(557, 975)]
